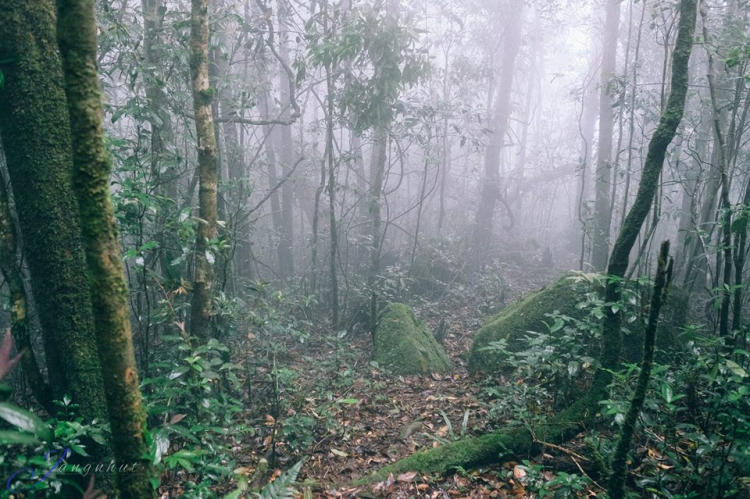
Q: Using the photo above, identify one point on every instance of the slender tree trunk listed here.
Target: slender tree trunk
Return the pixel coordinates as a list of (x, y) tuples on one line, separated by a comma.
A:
[(286, 146), (657, 148), (602, 208), (697, 269), (161, 126), (377, 172), (76, 32), (208, 171), (330, 88), (616, 486), (490, 192), (725, 202), (688, 222)]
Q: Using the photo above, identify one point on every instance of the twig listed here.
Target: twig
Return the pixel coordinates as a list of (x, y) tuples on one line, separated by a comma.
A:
[(573, 457)]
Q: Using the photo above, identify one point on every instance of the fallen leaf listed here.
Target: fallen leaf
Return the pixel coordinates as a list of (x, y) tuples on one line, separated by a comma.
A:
[(406, 477)]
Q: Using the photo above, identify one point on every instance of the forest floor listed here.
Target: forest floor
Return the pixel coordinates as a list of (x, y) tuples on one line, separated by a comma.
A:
[(365, 418)]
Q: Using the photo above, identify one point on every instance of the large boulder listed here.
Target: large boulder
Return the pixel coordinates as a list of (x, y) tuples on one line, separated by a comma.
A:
[(564, 295), (404, 344)]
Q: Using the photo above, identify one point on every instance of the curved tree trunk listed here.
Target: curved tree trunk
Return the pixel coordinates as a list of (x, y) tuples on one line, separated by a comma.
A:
[(657, 148), (76, 32)]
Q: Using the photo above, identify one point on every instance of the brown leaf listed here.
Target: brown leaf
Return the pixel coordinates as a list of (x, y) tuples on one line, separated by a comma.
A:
[(177, 418)]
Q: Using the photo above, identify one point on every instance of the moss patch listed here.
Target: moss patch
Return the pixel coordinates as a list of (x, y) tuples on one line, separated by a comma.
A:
[(497, 447), (529, 314), (405, 345)]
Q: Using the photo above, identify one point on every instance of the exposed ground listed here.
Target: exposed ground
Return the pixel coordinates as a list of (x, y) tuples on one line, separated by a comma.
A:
[(382, 417)]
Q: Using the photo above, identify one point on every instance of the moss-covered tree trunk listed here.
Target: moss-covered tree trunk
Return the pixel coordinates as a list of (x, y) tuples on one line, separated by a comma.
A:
[(207, 171), (19, 319), (76, 31), (618, 475), (36, 139), (657, 148)]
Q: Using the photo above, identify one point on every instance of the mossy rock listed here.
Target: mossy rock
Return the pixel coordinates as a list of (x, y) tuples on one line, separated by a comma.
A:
[(563, 296), (404, 344)]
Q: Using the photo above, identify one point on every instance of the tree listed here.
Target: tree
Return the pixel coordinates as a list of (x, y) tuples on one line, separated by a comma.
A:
[(35, 132), (618, 475), (602, 203), (76, 33), (490, 191), (208, 171)]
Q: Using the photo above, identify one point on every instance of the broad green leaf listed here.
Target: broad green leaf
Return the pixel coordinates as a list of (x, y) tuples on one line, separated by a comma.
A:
[(667, 393), (9, 437), (25, 420), (348, 401), (736, 369)]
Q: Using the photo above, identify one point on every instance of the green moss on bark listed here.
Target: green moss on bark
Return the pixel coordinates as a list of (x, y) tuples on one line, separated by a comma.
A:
[(36, 140), (404, 344), (491, 448), (530, 314), (76, 31)]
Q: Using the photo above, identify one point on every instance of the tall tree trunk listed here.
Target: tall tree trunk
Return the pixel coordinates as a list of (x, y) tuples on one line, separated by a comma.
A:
[(602, 204), (377, 168), (377, 172), (286, 146), (76, 32), (200, 317), (19, 318), (616, 485), (35, 134), (725, 203), (697, 266), (330, 88), (690, 194), (161, 126), (490, 191), (657, 148)]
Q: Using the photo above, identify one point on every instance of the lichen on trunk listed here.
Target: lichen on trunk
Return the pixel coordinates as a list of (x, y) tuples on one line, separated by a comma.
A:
[(76, 31), (36, 139), (200, 317)]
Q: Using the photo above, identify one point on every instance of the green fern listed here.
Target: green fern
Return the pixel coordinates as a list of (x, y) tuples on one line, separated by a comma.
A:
[(281, 488)]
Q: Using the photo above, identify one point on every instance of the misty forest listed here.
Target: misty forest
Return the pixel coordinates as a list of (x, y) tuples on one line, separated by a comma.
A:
[(374, 248)]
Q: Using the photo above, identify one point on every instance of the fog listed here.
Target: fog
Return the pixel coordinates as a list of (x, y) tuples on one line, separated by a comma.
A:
[(374, 248)]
